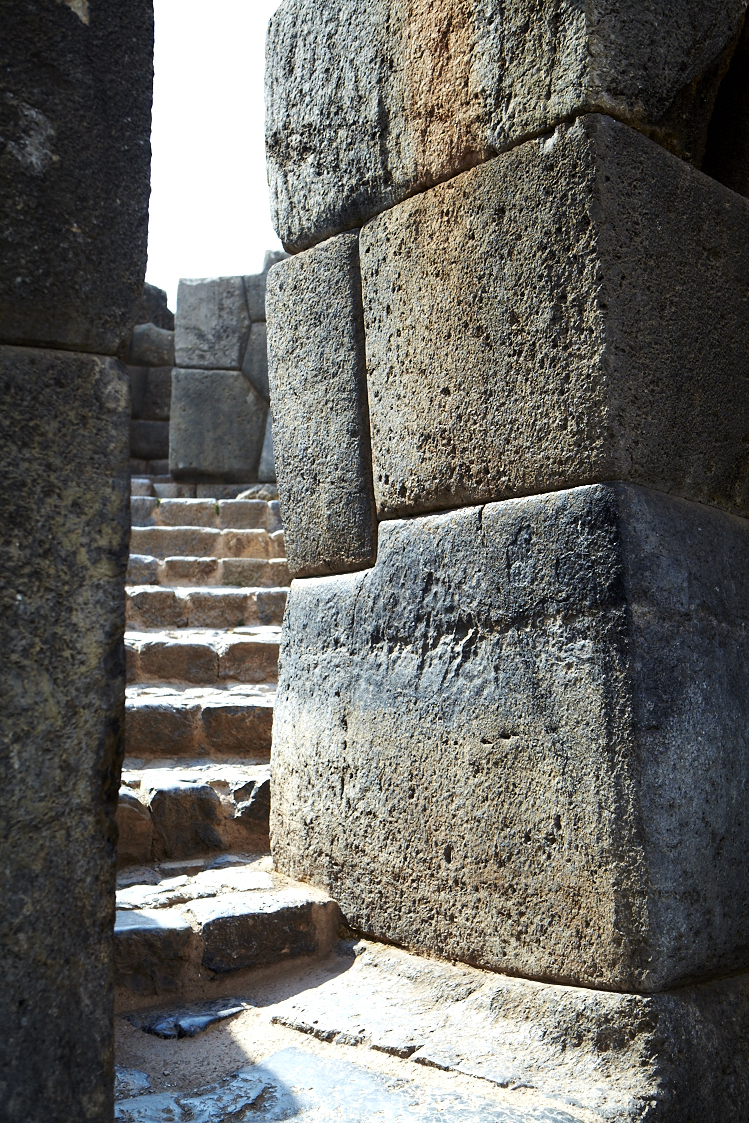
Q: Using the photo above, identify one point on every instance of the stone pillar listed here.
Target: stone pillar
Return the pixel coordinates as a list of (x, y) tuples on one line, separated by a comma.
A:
[(511, 727), (75, 110)]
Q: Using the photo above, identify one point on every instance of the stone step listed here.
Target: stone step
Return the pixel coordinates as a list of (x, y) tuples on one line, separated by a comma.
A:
[(240, 573), (199, 722), (148, 607), (177, 929), (203, 656), (205, 542), (222, 514), (169, 811)]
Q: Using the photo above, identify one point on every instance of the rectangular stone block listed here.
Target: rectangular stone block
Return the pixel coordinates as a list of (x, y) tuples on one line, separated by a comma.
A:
[(151, 346), (570, 312), (157, 394), (520, 740), (255, 362), (65, 515), (254, 287), (320, 416), (217, 427), (75, 167), (149, 439), (212, 323), (266, 471), (368, 102)]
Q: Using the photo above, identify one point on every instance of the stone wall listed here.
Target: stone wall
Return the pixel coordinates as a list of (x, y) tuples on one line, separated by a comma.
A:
[(220, 427), (75, 160), (510, 391)]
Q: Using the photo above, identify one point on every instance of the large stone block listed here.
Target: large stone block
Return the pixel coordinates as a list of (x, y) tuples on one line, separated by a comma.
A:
[(255, 362), (370, 102), (64, 432), (217, 426), (75, 118), (520, 740), (212, 324), (571, 312), (318, 390)]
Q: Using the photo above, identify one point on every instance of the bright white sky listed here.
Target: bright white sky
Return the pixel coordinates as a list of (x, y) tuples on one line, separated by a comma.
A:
[(209, 196)]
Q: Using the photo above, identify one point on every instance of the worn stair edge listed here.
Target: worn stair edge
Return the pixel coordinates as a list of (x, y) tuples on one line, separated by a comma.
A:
[(186, 570), (179, 723), (150, 607), (223, 514), (205, 542), (193, 949), (203, 656), (181, 812)]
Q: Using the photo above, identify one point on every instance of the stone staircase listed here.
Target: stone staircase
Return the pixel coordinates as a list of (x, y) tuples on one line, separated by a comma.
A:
[(198, 901)]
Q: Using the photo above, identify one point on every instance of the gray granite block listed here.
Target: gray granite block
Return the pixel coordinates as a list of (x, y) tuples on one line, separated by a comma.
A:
[(255, 362), (320, 415), (75, 118), (65, 514), (520, 740), (570, 312), (212, 323), (217, 427), (370, 101), (151, 346), (254, 285)]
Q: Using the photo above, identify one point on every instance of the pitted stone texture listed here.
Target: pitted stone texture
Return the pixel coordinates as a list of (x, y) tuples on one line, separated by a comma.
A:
[(320, 417), (75, 118), (569, 313), (64, 434), (217, 427), (370, 102), (520, 740), (212, 323)]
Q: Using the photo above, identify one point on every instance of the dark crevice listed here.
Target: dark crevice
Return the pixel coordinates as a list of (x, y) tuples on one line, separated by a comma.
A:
[(727, 150)]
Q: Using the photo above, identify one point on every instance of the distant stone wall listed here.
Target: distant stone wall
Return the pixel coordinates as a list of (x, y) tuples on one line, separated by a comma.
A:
[(221, 430)]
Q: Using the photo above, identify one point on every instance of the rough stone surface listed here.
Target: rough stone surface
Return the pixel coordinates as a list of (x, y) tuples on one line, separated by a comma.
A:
[(134, 830), (157, 394), (151, 346), (75, 119), (368, 103), (266, 472), (568, 313), (154, 309), (254, 285), (186, 818), (623, 1057), (255, 363), (153, 949), (520, 740), (149, 439), (320, 416), (212, 323), (64, 434), (217, 426)]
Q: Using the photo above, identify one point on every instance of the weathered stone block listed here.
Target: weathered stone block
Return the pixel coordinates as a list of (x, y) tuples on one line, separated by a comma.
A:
[(212, 323), (154, 309), (320, 416), (149, 439), (65, 515), (186, 818), (266, 472), (570, 312), (255, 363), (157, 394), (75, 118), (134, 830), (151, 346), (254, 287), (217, 426), (367, 103), (520, 740)]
